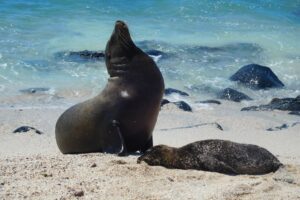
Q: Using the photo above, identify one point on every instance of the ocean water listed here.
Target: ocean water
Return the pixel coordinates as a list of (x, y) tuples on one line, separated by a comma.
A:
[(203, 44)]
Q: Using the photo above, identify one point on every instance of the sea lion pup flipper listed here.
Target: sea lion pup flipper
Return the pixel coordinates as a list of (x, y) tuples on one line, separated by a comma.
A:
[(118, 144), (213, 164)]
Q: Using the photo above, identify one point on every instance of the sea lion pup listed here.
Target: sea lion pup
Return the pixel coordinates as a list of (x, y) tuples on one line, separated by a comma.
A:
[(214, 155), (122, 117)]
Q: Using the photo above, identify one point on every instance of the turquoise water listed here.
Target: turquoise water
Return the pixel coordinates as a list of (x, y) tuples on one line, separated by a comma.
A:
[(205, 42)]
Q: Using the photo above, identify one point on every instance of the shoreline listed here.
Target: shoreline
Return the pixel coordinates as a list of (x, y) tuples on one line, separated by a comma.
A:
[(32, 166)]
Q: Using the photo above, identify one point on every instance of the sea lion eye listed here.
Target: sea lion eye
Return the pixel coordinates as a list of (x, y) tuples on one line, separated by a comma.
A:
[(108, 56)]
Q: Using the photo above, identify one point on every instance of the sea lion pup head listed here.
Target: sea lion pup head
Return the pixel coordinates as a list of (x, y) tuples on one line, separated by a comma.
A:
[(120, 50), (159, 155)]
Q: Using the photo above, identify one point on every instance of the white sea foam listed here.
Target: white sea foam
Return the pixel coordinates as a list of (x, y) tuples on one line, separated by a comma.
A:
[(204, 48), (156, 58), (2, 87)]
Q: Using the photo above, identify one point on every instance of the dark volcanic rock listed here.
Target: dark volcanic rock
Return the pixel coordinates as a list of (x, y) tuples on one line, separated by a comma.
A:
[(180, 104), (232, 95), (214, 155), (23, 129), (283, 126), (257, 77), (290, 104), (154, 52), (209, 101), (183, 106), (87, 55), (169, 91), (164, 102), (80, 56), (278, 128), (295, 113)]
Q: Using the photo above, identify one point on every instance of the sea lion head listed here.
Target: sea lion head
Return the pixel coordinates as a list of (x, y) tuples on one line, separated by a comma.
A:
[(159, 155), (120, 50)]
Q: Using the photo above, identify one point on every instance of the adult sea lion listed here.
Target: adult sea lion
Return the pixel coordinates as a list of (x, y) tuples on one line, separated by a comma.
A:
[(214, 155), (122, 117)]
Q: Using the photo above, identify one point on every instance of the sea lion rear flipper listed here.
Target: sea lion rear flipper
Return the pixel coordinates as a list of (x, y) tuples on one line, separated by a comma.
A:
[(118, 144)]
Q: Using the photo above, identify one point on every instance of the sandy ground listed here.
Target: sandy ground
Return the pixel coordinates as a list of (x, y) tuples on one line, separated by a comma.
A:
[(31, 166)]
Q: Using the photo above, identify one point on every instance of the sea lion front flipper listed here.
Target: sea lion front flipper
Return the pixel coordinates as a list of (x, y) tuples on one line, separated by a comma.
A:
[(213, 164), (148, 145), (123, 150), (117, 144)]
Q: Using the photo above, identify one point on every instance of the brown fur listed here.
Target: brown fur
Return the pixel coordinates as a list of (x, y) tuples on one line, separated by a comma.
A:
[(124, 114), (214, 155)]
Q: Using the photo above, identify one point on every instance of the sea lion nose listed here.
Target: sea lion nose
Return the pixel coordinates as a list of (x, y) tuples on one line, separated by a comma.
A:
[(120, 24)]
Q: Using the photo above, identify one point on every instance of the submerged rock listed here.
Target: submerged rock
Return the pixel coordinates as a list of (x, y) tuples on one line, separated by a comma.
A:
[(209, 101), (24, 129), (154, 52), (86, 55), (295, 113), (183, 106), (169, 91), (214, 155), (179, 104), (164, 102), (256, 76), (35, 90), (232, 95), (77, 56), (286, 104)]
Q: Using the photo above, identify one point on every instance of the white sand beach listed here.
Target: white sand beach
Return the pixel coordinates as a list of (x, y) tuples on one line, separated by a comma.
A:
[(32, 167)]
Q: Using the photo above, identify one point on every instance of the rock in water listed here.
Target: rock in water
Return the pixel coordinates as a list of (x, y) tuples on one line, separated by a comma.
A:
[(214, 155), (232, 95), (295, 113), (35, 90), (169, 91), (183, 106), (209, 101), (80, 56), (88, 54), (164, 102), (179, 104), (287, 104), (257, 77)]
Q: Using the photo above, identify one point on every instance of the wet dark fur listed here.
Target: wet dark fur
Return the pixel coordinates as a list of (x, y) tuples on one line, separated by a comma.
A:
[(122, 117), (214, 155)]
